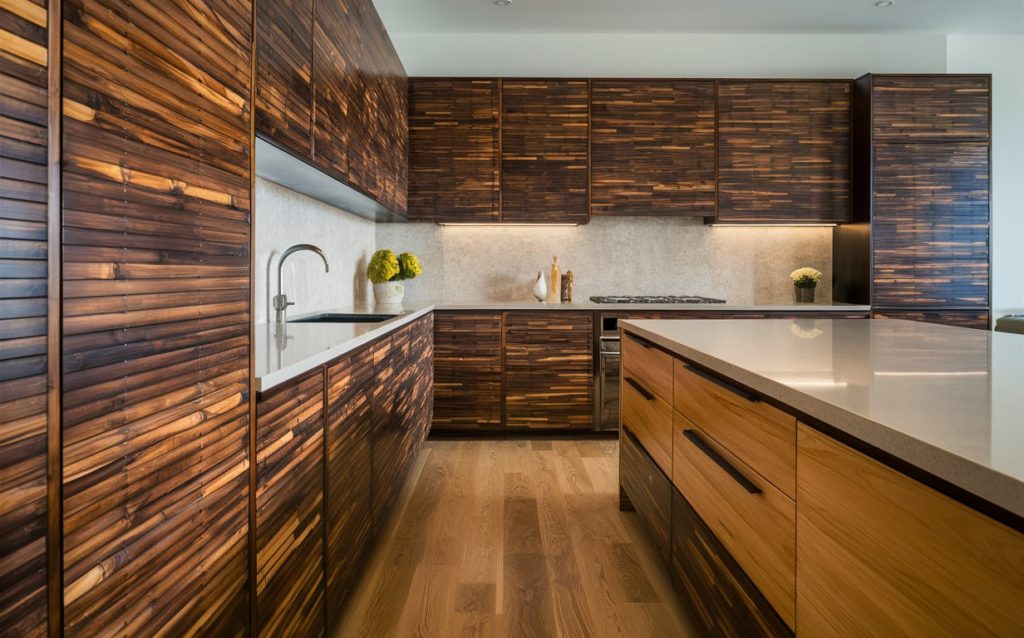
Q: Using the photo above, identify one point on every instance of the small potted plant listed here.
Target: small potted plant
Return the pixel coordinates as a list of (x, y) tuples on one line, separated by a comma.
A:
[(804, 282), (387, 272)]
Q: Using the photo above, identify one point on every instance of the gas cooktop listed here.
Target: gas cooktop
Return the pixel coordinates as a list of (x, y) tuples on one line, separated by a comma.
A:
[(654, 299)]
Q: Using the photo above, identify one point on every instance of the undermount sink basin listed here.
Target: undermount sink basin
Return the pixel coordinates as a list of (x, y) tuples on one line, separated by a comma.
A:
[(343, 318)]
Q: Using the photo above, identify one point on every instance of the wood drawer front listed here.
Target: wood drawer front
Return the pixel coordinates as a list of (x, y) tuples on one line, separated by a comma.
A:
[(651, 421), (648, 489), (717, 591), (762, 436), (758, 529), (883, 555), (647, 365)]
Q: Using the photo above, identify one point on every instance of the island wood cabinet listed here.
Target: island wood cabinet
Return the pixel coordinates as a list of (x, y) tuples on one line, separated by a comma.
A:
[(775, 527), (783, 151), (331, 91), (333, 449)]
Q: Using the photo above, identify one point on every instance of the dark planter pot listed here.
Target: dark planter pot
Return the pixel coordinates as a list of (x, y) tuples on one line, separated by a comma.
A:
[(804, 295)]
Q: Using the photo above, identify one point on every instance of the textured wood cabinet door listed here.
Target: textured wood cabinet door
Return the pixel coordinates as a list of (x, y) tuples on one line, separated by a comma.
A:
[(652, 148), (289, 509), (930, 107), (23, 318), (879, 554), (156, 316), (348, 490), (783, 151), (453, 149), (284, 83), (544, 158), (549, 370), (648, 490), (360, 125), (979, 319), (467, 370)]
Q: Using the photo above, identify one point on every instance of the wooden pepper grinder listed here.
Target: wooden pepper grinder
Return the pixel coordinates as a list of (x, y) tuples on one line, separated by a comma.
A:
[(556, 277), (567, 287)]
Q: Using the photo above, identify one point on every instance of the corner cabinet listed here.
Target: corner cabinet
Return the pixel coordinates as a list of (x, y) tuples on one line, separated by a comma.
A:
[(783, 151)]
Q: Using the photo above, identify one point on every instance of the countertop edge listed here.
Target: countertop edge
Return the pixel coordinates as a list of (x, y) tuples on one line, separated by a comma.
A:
[(978, 480), (270, 380)]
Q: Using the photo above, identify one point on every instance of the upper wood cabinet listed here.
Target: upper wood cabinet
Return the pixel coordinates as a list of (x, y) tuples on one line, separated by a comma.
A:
[(783, 151), (652, 148), (453, 149), (930, 107), (284, 84), (544, 151)]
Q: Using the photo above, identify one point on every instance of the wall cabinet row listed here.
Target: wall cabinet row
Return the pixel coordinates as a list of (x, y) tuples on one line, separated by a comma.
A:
[(331, 90), (561, 150), (333, 450)]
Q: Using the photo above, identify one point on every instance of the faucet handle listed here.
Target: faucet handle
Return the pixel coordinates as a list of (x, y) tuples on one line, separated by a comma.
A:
[(281, 302)]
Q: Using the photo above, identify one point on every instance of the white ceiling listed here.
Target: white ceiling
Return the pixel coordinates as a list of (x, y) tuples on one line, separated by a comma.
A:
[(703, 16)]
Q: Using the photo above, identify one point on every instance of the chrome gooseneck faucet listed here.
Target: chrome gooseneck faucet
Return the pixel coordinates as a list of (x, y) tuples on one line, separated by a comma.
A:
[(281, 302)]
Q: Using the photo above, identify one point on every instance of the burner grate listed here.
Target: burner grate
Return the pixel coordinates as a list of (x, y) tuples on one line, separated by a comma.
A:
[(666, 299)]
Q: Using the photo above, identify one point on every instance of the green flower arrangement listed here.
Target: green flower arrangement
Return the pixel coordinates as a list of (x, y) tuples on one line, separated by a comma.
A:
[(385, 266)]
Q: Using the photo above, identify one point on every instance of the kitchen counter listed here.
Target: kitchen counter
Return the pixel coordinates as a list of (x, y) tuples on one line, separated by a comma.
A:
[(945, 400), (308, 345)]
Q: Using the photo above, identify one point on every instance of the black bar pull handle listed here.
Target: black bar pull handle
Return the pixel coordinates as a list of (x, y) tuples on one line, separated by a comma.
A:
[(709, 451), (644, 392), (723, 384)]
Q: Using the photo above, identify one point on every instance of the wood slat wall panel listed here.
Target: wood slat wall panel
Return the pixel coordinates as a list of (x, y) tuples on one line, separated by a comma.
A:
[(549, 370), (652, 147), (453, 150), (156, 196), (783, 151), (23, 318), (284, 67), (544, 151), (931, 107), (467, 370), (289, 509), (930, 230), (350, 385), (360, 111)]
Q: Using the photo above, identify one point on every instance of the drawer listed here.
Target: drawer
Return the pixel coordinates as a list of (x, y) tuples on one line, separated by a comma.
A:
[(760, 435), (648, 366), (753, 519), (649, 417), (647, 488)]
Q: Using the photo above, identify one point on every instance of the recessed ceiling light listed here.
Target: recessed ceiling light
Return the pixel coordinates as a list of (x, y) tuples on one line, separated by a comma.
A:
[(881, 4), (505, 3)]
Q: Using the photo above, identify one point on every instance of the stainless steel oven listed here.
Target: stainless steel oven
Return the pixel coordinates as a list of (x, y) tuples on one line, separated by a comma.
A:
[(609, 360)]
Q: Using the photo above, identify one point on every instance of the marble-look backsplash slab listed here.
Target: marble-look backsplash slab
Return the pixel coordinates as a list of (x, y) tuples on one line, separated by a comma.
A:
[(612, 256)]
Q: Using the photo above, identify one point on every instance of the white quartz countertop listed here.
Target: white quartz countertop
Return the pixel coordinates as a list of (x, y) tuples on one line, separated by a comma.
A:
[(949, 401), (641, 307)]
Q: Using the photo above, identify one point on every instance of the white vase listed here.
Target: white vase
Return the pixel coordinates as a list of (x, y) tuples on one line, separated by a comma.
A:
[(540, 288), (389, 292)]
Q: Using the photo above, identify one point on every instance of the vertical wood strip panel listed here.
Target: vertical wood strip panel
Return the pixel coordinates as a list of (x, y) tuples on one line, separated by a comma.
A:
[(284, 74), (467, 370)]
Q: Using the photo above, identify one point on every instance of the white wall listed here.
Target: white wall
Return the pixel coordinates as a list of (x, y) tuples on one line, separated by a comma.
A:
[(1003, 57), (283, 218)]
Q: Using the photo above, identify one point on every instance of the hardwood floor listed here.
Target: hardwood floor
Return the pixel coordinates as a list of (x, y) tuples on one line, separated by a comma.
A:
[(514, 538)]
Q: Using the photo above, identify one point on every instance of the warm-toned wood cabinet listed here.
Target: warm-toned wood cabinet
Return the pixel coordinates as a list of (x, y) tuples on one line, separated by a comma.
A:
[(289, 509), (284, 74), (468, 388), (881, 554), (652, 147), (544, 151), (549, 369), (646, 398), (454, 149), (980, 319), (914, 108), (647, 489), (783, 151)]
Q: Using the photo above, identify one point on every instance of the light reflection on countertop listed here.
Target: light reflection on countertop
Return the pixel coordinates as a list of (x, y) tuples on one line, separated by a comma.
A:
[(947, 400)]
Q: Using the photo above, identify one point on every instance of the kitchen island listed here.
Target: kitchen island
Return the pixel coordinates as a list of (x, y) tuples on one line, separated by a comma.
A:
[(830, 477)]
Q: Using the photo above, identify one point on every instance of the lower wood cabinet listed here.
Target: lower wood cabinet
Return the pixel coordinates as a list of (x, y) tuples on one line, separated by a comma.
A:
[(646, 488), (961, 318), (467, 370)]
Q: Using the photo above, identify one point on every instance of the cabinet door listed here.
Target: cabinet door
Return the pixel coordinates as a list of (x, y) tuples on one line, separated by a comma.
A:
[(549, 371), (783, 151), (284, 89), (350, 385), (961, 318), (453, 150), (467, 370), (930, 107), (930, 227), (647, 488), (386, 435), (289, 509), (544, 133), (652, 148)]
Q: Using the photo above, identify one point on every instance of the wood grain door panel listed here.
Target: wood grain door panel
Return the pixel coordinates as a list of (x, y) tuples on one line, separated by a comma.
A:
[(648, 489), (467, 370), (930, 107), (284, 74), (980, 319)]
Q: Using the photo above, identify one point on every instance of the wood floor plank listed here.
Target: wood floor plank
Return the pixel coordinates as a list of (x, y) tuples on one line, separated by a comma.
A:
[(514, 538)]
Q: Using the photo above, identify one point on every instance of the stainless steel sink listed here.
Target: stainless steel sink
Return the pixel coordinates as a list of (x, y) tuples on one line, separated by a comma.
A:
[(333, 317)]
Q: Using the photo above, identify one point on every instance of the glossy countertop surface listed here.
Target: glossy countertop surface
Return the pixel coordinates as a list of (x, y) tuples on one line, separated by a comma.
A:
[(947, 400), (645, 307)]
